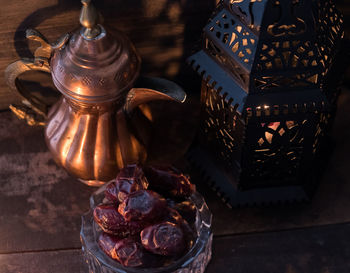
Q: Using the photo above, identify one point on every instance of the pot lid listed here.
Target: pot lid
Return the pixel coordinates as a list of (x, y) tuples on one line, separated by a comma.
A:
[(95, 65)]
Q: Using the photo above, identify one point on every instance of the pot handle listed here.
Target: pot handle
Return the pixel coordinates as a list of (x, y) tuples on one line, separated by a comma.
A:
[(32, 109)]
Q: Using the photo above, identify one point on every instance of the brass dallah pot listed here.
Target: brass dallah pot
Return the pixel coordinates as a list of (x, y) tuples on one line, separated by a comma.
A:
[(88, 130)]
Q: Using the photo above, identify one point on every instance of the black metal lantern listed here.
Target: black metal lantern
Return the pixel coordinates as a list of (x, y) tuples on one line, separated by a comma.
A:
[(267, 97)]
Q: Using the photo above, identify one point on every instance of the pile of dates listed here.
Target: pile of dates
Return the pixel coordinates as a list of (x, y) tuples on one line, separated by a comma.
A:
[(146, 217)]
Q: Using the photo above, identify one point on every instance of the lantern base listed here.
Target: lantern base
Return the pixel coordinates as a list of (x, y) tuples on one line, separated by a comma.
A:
[(226, 187)]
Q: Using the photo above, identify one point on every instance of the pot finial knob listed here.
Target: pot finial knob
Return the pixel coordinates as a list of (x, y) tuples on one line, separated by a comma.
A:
[(89, 20)]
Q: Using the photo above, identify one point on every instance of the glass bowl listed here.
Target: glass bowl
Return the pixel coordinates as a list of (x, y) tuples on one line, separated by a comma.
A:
[(194, 261)]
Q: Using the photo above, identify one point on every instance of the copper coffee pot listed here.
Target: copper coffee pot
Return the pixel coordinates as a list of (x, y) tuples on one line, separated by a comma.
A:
[(88, 130)]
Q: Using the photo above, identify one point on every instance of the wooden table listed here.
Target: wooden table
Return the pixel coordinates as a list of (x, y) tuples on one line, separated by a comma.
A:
[(40, 208)]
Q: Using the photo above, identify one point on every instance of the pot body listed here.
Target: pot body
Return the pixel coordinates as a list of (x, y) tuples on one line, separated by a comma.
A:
[(92, 142)]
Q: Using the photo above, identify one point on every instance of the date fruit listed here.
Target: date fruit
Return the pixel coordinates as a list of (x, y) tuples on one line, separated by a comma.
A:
[(129, 179), (169, 180), (165, 239), (107, 243), (141, 228), (110, 221), (187, 210), (111, 193), (130, 253), (173, 216), (126, 251), (143, 205)]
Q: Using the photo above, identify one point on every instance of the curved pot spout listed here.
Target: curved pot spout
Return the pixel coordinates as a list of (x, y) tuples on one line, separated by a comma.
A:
[(154, 89)]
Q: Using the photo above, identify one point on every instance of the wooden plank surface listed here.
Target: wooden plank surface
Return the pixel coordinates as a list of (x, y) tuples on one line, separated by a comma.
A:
[(312, 250), (40, 203), (57, 261)]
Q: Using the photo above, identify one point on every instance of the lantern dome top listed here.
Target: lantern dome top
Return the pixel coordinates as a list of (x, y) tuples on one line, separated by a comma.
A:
[(265, 47)]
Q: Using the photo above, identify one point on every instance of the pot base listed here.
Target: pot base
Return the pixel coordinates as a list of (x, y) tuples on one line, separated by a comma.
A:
[(92, 183)]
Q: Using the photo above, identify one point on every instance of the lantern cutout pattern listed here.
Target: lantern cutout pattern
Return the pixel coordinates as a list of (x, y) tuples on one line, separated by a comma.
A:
[(267, 96)]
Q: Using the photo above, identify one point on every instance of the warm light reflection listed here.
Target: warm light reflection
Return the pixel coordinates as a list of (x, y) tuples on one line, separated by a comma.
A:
[(69, 137), (290, 124), (146, 110), (268, 137), (93, 183), (79, 158), (274, 125), (78, 90)]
